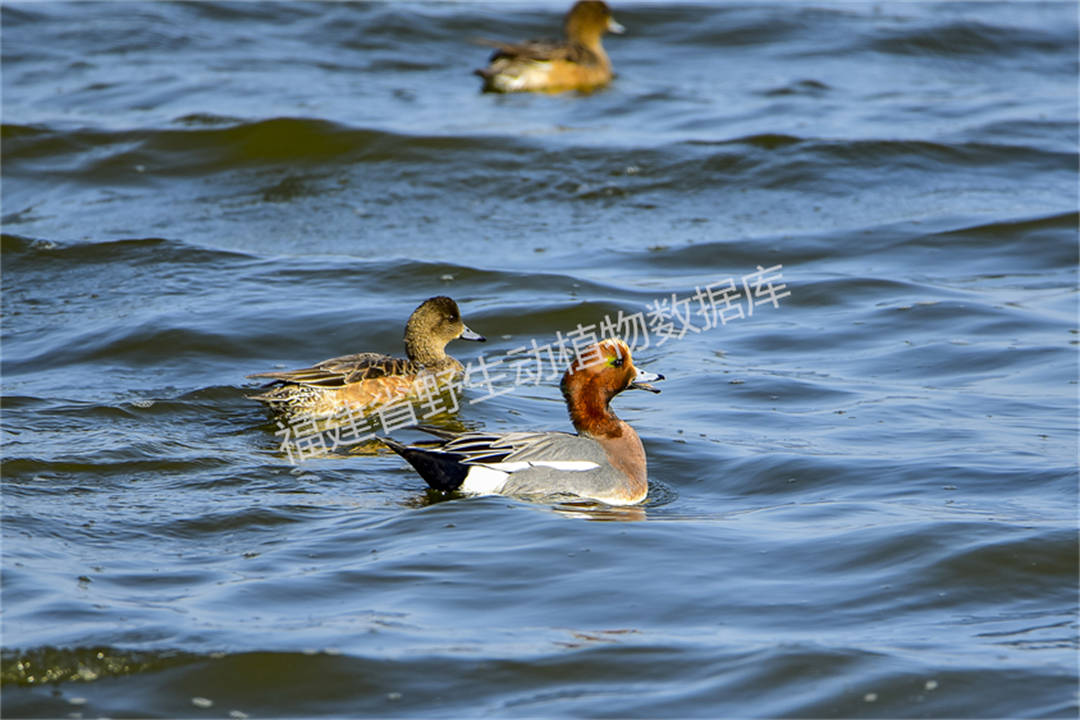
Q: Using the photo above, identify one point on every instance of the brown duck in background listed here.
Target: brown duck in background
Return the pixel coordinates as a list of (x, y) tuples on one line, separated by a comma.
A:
[(580, 63), (364, 381)]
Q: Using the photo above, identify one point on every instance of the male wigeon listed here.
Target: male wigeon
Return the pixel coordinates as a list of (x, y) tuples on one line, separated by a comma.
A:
[(365, 380), (605, 461), (580, 63)]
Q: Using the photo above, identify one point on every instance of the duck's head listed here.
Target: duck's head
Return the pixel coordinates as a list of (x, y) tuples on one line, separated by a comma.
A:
[(602, 371), (588, 20), (435, 323)]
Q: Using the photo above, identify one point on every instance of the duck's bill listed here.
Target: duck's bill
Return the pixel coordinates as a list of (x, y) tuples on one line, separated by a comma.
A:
[(614, 27), (642, 380), (468, 334)]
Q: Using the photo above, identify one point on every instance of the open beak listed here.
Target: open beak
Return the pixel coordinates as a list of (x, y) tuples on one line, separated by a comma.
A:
[(614, 27), (642, 379), (468, 334)]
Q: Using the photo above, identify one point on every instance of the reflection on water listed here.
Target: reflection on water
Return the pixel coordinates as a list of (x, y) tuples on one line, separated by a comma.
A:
[(862, 499), (599, 511)]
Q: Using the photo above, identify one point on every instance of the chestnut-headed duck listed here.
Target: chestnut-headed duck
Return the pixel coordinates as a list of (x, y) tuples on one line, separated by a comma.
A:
[(364, 381), (580, 63), (605, 461)]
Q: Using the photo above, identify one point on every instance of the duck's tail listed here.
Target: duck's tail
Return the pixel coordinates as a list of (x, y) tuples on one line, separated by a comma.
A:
[(441, 470)]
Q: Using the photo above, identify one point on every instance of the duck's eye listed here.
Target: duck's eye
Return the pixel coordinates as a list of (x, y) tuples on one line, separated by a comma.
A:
[(616, 362)]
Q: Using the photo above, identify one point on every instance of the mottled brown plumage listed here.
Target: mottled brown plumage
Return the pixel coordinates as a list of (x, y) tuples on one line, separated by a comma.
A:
[(578, 63), (365, 381)]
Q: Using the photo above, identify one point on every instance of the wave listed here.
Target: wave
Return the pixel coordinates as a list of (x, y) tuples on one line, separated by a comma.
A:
[(974, 40)]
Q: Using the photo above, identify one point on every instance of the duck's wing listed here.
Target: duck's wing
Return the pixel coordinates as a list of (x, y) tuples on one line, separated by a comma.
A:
[(537, 51), (547, 465), (488, 462), (481, 447), (343, 370)]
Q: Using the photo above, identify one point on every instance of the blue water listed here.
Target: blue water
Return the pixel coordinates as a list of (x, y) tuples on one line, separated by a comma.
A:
[(863, 499)]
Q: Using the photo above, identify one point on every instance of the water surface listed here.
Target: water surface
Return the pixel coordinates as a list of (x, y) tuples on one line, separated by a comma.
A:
[(863, 498)]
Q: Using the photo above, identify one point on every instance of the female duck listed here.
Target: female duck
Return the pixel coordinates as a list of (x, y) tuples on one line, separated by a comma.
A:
[(580, 63), (605, 461), (367, 380)]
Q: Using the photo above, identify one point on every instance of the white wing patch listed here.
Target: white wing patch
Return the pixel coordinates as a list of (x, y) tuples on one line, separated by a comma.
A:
[(482, 480), (568, 465), (489, 478)]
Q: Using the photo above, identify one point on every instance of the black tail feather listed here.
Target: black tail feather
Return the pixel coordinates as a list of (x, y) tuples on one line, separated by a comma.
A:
[(441, 470)]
